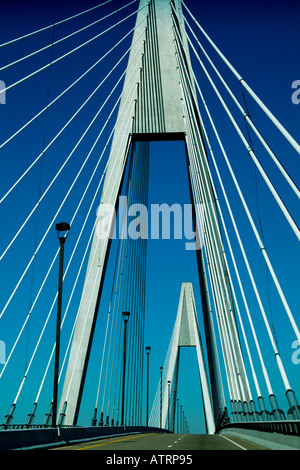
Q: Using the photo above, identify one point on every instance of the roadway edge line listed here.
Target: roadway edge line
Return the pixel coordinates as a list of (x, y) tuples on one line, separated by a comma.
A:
[(243, 448)]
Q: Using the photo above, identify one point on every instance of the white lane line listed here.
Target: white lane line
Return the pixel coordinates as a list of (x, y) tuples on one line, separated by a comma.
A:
[(243, 448)]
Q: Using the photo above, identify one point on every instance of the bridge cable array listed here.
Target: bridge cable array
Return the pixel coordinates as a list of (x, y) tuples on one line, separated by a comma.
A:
[(189, 90), (239, 392), (98, 164)]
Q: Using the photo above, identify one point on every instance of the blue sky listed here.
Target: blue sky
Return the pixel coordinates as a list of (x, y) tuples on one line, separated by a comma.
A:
[(260, 39)]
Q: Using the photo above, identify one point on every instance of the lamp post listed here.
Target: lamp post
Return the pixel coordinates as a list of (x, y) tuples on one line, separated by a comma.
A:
[(177, 415), (181, 419), (61, 227), (169, 385), (125, 318), (148, 349), (161, 377)]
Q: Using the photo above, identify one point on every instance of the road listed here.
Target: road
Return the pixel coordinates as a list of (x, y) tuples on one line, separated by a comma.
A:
[(173, 443)]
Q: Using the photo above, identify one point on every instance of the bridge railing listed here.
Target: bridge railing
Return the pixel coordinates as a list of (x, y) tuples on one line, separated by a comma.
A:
[(283, 427), (274, 435), (7, 427)]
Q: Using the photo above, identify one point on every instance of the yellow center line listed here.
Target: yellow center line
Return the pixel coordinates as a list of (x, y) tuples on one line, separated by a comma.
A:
[(112, 442)]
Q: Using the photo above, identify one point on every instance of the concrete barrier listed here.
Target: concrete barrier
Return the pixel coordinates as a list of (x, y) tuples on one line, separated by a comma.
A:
[(273, 441), (275, 435), (13, 439), (23, 438)]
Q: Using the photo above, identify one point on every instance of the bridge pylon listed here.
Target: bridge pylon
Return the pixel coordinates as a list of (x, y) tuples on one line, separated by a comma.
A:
[(158, 103), (186, 333)]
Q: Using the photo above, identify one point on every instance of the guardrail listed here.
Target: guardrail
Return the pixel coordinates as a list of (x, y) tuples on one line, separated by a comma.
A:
[(7, 427), (10, 427), (283, 427)]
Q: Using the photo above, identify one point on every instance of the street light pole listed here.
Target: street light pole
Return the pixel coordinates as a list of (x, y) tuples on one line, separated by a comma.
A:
[(61, 227), (125, 318), (148, 349), (169, 385), (181, 419), (161, 377), (178, 416)]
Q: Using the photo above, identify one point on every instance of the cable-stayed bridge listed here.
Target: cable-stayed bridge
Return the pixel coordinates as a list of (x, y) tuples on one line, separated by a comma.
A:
[(89, 105)]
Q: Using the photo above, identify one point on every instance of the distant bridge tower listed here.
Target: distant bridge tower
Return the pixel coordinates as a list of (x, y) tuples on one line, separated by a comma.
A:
[(186, 333), (163, 106)]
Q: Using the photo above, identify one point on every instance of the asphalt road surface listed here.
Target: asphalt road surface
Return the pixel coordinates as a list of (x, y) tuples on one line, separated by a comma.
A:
[(172, 443)]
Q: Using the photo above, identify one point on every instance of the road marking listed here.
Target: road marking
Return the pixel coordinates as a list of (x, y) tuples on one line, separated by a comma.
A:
[(112, 442), (243, 448)]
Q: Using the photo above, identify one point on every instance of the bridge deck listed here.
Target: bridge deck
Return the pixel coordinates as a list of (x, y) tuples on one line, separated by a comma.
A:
[(166, 442)]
